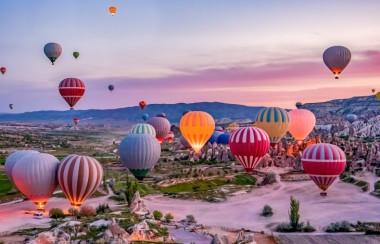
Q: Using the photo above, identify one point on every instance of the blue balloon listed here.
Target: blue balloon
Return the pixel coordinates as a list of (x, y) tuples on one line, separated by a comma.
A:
[(145, 117), (214, 137), (351, 118), (111, 87), (224, 138)]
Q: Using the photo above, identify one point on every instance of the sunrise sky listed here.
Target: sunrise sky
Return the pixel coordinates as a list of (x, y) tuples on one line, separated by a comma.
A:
[(264, 53)]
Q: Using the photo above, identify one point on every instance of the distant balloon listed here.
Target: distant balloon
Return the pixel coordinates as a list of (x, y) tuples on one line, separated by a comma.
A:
[(302, 122), (249, 145), (142, 105), (233, 127), (336, 59), (143, 129), (3, 70), (145, 117), (274, 121), (111, 88), (170, 137), (76, 120), (378, 96), (351, 118), (162, 127), (112, 10), (52, 51), (197, 127), (11, 106), (79, 177), (184, 143), (13, 158), (299, 105), (214, 137), (162, 115), (35, 175), (224, 138), (373, 90), (72, 90), (76, 55), (219, 128), (324, 163), (139, 153)]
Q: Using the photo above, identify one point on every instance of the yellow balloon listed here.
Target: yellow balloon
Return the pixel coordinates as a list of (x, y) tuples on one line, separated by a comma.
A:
[(378, 96), (274, 121), (112, 10), (197, 127)]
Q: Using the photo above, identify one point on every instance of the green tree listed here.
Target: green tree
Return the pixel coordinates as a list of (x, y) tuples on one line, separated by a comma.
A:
[(157, 215), (169, 217), (130, 189), (294, 216)]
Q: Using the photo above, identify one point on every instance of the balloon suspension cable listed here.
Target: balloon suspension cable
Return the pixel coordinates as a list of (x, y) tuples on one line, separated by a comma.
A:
[(323, 193), (71, 108)]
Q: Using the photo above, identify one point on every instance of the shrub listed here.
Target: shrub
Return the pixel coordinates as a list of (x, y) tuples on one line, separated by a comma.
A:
[(157, 215), (269, 179), (196, 187), (102, 208), (308, 228), (343, 226), (87, 211), (267, 211), (56, 213), (190, 218), (294, 216), (284, 227), (73, 212), (121, 197), (169, 217)]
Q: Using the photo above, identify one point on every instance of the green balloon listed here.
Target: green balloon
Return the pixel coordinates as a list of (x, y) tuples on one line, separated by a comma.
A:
[(76, 55)]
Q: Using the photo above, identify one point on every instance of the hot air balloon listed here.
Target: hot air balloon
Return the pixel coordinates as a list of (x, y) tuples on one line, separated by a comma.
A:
[(170, 137), (219, 128), (145, 117), (249, 145), (79, 177), (162, 127), (185, 112), (299, 105), (143, 129), (76, 120), (112, 10), (373, 90), (162, 115), (142, 105), (302, 122), (214, 137), (274, 121), (72, 90), (378, 96), (197, 127), (351, 118), (111, 88), (336, 59), (324, 163), (12, 160), (35, 175), (11, 106), (139, 153), (233, 127), (224, 138), (76, 55), (3, 70), (52, 51), (184, 143)]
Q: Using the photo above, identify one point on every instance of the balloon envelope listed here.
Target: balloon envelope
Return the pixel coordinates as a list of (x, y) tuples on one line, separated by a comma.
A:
[(274, 121), (162, 127), (378, 96), (3, 70), (76, 120), (351, 118), (12, 160), (111, 87), (79, 177), (170, 137), (224, 138), (35, 175), (214, 137), (336, 59), (11, 106), (112, 10), (52, 51), (299, 105), (72, 90), (197, 127), (302, 122), (139, 153), (143, 129), (76, 55), (324, 163), (249, 145), (219, 128), (163, 115), (145, 117), (142, 104)]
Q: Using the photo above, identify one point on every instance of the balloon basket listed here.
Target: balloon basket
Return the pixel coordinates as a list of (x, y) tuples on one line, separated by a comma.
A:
[(323, 194)]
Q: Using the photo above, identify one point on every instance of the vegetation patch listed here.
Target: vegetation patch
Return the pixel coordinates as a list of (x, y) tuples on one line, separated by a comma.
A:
[(346, 177), (244, 179), (376, 192)]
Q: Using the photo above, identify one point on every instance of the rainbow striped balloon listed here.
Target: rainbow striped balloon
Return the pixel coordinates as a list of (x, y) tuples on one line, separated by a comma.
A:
[(143, 129), (274, 121), (197, 127), (324, 163)]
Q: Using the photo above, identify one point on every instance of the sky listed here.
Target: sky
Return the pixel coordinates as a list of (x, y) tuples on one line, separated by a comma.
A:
[(257, 53)]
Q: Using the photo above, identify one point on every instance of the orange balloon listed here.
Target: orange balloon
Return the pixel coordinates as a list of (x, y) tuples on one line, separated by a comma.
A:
[(112, 10), (197, 127), (302, 122), (142, 104)]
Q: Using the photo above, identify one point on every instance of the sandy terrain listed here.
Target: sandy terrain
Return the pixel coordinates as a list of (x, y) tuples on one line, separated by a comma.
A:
[(343, 202)]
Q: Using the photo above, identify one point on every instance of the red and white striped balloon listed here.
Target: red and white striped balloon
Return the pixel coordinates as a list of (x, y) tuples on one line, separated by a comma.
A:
[(324, 163), (72, 90), (249, 145), (79, 177)]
